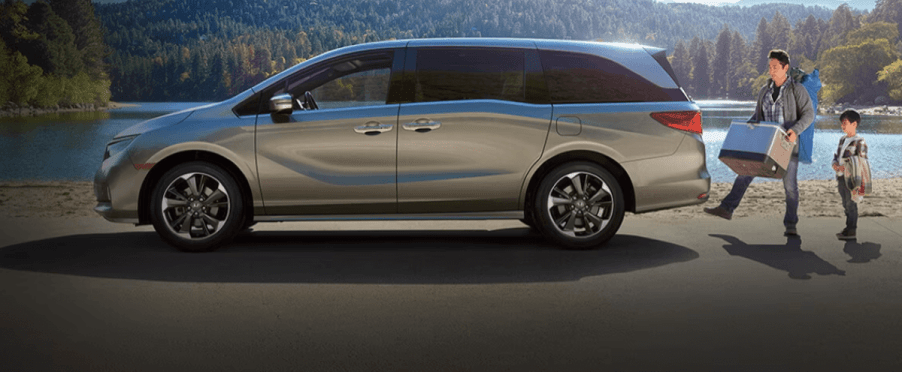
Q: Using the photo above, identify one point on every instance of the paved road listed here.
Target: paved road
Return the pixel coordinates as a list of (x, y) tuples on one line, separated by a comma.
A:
[(705, 294)]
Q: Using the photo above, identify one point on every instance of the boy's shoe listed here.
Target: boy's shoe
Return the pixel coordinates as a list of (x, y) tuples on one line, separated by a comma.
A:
[(720, 212), (791, 231), (846, 234)]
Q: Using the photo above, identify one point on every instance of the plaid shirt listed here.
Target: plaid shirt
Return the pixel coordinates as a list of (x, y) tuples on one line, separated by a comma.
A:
[(856, 146), (773, 110)]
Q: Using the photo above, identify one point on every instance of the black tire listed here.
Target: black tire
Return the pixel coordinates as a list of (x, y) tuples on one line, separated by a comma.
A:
[(203, 210), (582, 216)]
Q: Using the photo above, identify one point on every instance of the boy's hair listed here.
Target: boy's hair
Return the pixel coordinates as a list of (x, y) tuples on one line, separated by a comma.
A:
[(851, 115), (779, 55)]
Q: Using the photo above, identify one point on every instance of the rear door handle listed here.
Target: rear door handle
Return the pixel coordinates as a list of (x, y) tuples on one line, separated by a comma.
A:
[(422, 125), (373, 128)]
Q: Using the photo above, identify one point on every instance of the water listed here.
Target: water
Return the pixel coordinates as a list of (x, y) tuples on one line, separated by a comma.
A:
[(70, 146)]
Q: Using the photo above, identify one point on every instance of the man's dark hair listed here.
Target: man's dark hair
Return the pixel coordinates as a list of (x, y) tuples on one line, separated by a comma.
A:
[(851, 115), (779, 55)]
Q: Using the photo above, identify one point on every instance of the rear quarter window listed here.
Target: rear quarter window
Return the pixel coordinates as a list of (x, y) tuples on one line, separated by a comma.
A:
[(582, 78), (452, 74)]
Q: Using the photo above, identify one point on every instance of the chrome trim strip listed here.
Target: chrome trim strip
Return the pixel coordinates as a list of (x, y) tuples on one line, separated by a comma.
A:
[(510, 215)]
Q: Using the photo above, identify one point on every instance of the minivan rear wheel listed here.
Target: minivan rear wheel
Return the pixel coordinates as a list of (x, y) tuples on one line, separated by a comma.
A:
[(197, 207), (579, 205)]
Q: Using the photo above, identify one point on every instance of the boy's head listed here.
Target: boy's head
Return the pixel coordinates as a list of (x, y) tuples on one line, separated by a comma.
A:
[(849, 120)]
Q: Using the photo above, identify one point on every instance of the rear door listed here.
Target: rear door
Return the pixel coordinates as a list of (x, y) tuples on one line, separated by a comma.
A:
[(473, 128)]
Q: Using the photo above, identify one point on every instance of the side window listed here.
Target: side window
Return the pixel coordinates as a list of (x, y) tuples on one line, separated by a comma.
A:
[(348, 81), (364, 88), (581, 78), (453, 74)]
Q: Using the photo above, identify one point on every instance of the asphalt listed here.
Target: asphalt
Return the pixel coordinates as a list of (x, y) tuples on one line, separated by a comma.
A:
[(698, 294)]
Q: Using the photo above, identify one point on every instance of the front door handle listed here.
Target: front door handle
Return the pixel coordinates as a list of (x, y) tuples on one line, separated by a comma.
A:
[(373, 128), (422, 125)]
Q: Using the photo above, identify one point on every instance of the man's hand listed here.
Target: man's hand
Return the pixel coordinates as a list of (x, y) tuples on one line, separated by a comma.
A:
[(838, 168), (792, 135)]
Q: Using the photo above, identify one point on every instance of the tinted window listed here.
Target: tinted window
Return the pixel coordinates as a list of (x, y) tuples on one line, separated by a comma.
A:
[(452, 74), (581, 78), (365, 88)]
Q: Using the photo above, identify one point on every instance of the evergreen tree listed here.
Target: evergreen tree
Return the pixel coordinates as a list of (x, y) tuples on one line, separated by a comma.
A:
[(79, 14), (840, 24), (54, 51), (701, 72), (681, 63), (780, 31), (763, 44), (5, 65), (888, 11), (720, 69)]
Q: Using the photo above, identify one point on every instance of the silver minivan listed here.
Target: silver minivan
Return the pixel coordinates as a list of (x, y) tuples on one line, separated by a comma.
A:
[(565, 136)]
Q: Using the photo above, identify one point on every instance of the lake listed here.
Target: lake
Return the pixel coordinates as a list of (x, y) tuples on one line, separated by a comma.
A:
[(70, 146)]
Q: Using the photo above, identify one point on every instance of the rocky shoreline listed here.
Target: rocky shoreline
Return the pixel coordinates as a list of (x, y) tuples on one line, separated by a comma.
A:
[(11, 110), (883, 110)]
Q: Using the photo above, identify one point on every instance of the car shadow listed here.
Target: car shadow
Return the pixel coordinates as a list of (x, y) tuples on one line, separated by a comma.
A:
[(861, 252), (382, 257), (788, 257)]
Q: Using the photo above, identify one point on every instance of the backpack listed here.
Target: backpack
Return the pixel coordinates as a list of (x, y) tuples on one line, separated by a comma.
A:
[(812, 83)]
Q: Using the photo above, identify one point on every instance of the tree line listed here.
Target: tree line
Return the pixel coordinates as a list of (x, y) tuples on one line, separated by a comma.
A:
[(63, 52), (858, 56), (52, 54), (212, 49)]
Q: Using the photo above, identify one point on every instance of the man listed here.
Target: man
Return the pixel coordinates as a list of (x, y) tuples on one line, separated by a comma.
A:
[(781, 100)]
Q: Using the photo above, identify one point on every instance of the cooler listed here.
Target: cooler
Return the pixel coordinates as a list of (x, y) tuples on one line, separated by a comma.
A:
[(756, 149)]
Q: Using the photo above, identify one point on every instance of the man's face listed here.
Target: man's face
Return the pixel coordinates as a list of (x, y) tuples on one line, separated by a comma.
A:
[(777, 70)]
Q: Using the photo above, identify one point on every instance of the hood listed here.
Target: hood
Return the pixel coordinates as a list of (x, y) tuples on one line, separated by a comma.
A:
[(160, 122)]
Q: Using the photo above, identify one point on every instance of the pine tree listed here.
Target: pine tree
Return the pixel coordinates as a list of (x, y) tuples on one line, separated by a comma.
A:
[(763, 44), (682, 64), (780, 31), (701, 73), (79, 14), (720, 69), (54, 51)]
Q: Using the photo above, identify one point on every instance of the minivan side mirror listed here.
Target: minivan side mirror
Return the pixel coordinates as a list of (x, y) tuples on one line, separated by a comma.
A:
[(281, 104)]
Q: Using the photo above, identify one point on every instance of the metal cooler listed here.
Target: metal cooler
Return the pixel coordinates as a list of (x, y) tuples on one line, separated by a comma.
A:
[(756, 149)]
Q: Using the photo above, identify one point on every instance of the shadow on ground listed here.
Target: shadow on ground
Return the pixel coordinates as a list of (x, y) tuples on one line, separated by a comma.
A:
[(788, 257), (389, 257)]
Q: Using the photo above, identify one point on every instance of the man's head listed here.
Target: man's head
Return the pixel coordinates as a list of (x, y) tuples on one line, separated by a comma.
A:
[(778, 65), (849, 120)]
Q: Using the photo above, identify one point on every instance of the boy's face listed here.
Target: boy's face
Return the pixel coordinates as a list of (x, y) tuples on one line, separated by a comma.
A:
[(848, 127)]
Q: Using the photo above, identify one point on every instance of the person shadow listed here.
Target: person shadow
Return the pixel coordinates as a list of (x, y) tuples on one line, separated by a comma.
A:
[(861, 252), (789, 257)]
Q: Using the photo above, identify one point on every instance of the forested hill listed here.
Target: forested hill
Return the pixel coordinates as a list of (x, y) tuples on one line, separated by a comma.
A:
[(210, 49)]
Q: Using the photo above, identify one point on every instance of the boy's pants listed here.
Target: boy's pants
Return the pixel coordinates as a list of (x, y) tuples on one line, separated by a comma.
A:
[(848, 204)]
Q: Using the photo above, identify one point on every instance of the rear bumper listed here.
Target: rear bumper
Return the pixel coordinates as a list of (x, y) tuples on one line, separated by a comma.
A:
[(673, 181)]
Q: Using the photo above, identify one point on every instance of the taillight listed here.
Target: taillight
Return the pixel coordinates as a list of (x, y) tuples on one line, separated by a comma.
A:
[(690, 121)]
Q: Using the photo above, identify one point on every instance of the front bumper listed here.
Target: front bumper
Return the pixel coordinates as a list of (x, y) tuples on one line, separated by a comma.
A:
[(117, 186)]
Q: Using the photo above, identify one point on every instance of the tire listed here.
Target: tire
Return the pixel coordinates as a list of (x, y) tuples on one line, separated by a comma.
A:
[(197, 207), (579, 215)]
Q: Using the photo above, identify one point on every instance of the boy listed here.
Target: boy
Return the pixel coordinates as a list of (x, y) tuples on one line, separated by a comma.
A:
[(849, 145)]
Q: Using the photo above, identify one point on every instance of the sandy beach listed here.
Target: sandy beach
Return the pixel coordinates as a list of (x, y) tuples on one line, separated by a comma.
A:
[(818, 198)]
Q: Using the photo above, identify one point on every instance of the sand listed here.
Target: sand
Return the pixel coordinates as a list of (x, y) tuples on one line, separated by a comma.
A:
[(818, 198)]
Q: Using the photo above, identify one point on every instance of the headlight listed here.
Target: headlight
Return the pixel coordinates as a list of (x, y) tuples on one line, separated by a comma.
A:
[(117, 145)]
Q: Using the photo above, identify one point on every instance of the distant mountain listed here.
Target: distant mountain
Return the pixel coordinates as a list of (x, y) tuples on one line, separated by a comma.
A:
[(829, 4)]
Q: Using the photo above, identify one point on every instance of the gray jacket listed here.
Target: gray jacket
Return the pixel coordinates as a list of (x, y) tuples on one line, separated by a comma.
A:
[(798, 113)]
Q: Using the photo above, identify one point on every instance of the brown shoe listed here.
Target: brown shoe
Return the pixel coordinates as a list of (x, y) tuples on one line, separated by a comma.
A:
[(846, 234), (720, 212)]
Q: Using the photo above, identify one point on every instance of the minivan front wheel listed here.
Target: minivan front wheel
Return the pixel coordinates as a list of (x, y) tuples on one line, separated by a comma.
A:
[(579, 206), (197, 207)]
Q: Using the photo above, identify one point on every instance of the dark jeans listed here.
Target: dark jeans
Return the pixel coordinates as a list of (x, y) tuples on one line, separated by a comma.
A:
[(790, 185), (848, 204)]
